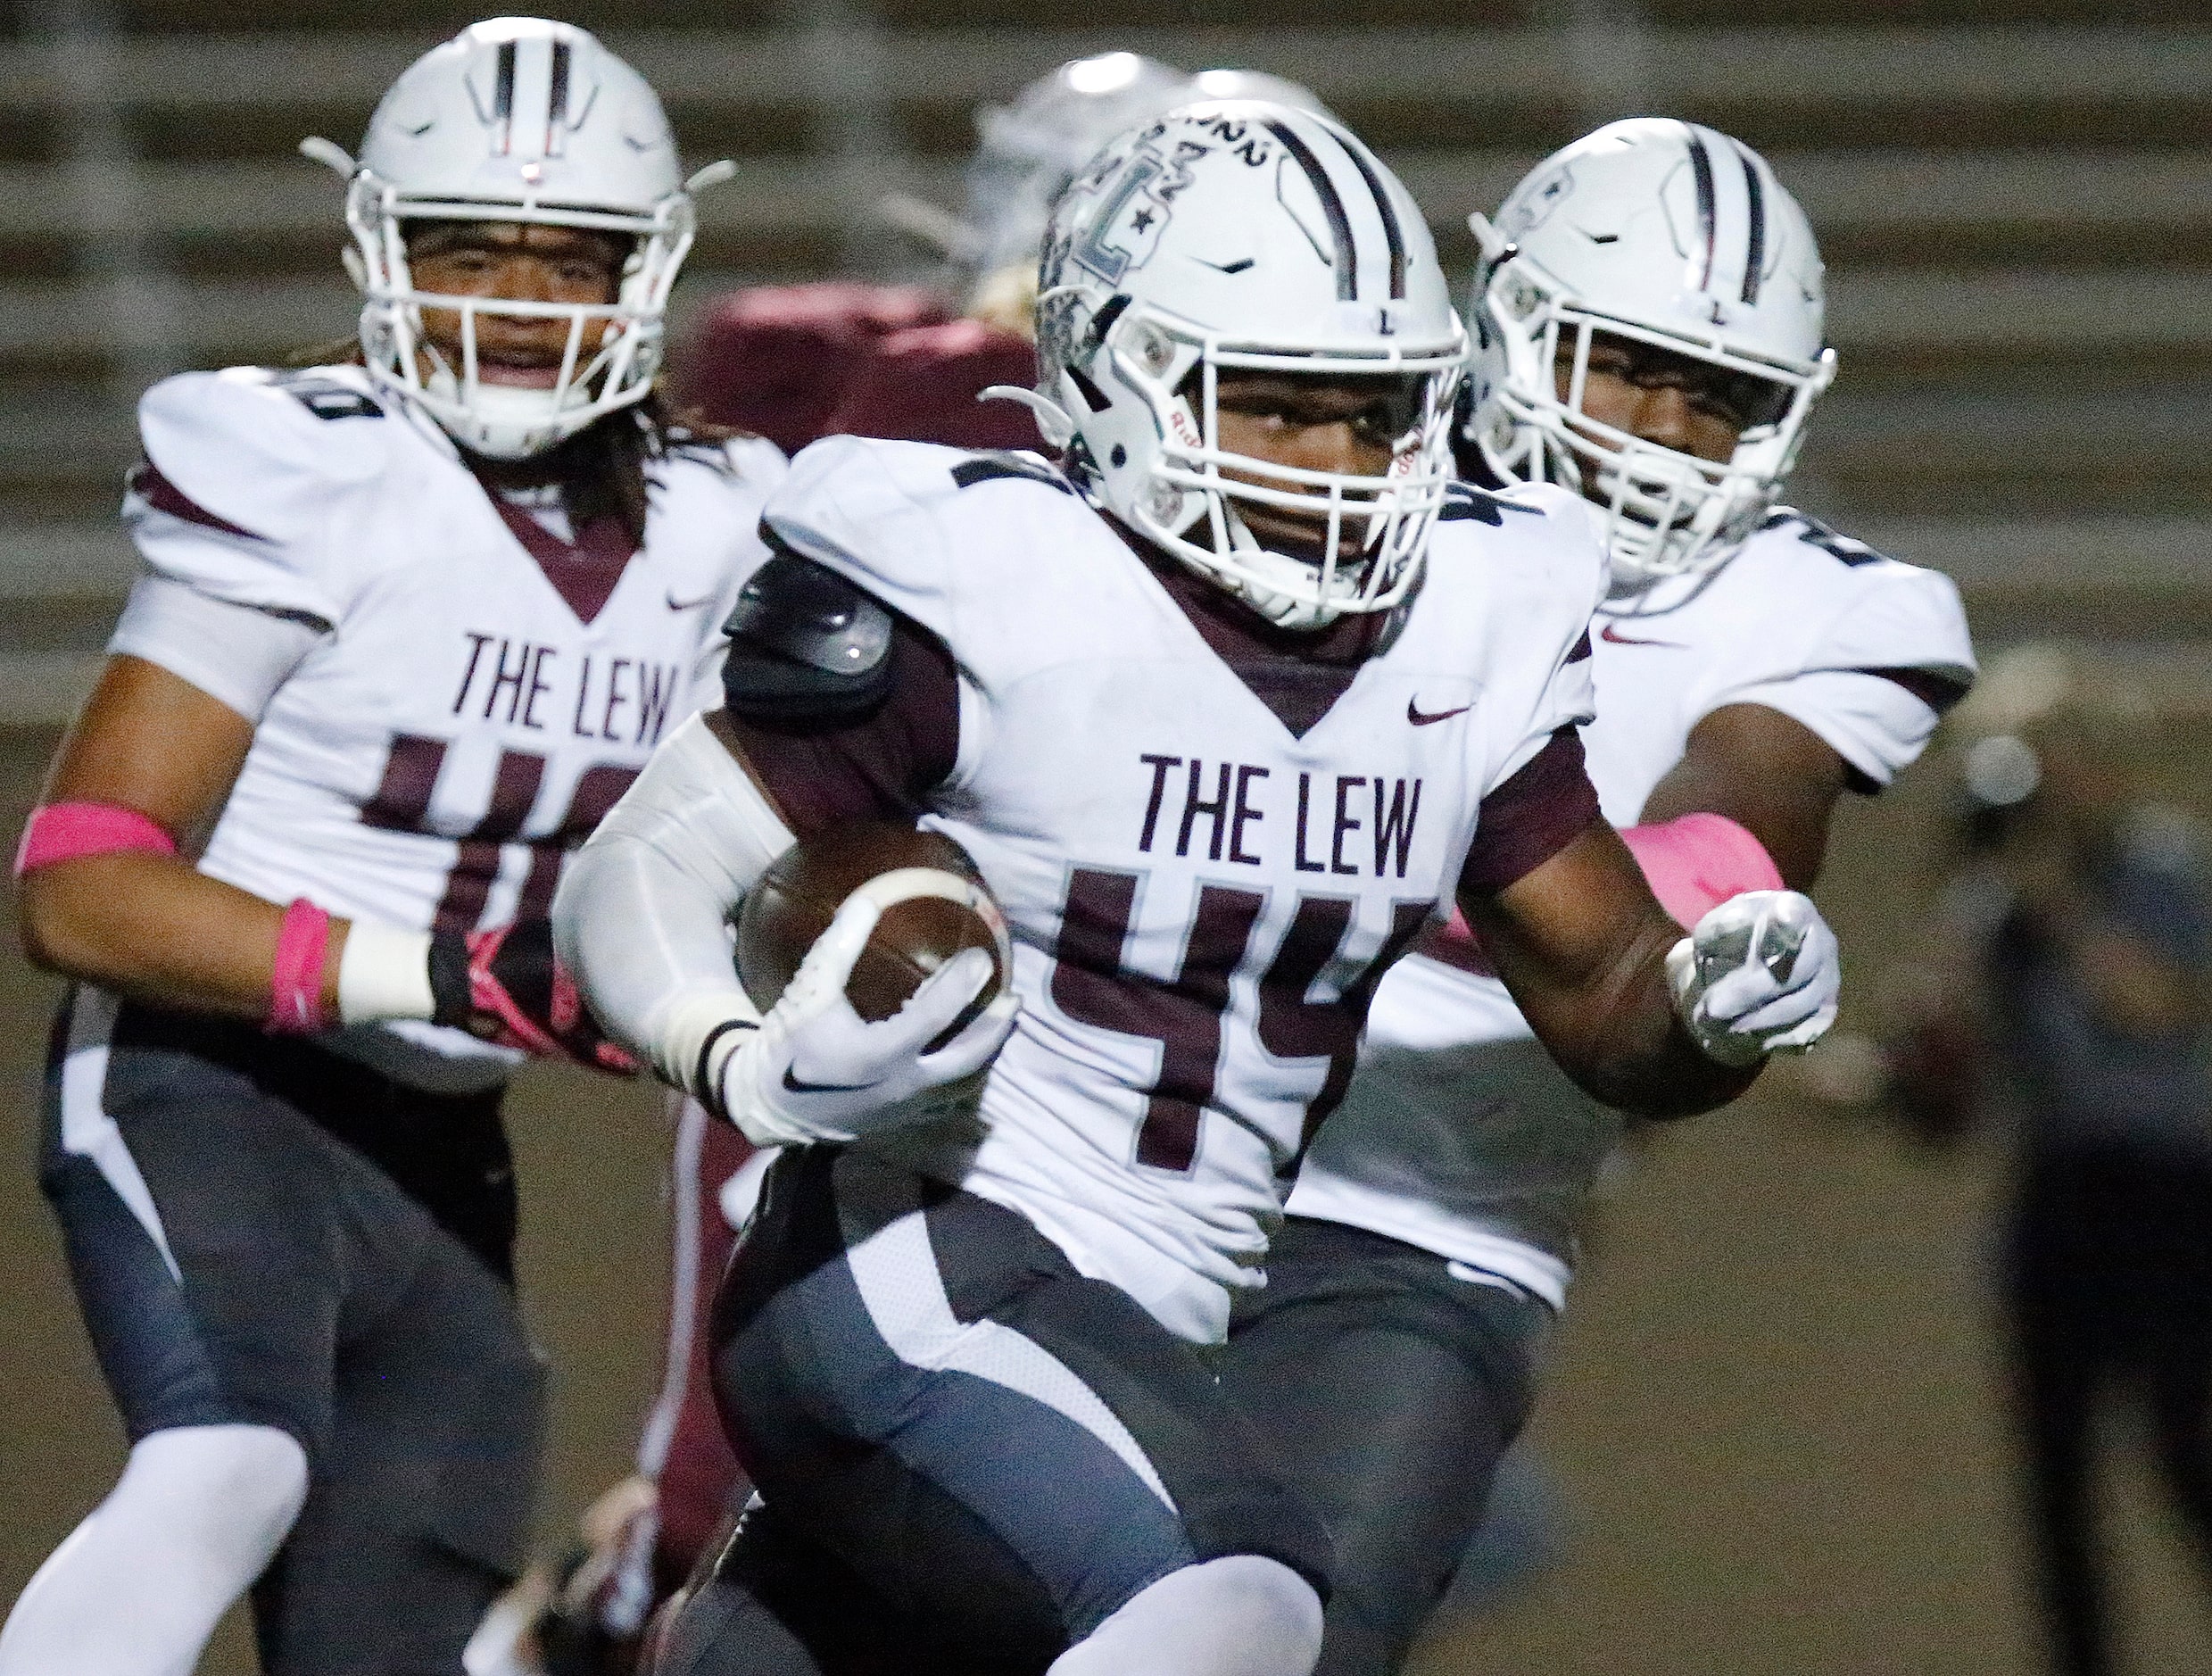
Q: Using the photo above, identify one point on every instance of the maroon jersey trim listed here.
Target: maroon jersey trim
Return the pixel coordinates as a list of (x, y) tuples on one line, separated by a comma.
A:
[(1546, 803), (584, 572), (146, 482), (1298, 675)]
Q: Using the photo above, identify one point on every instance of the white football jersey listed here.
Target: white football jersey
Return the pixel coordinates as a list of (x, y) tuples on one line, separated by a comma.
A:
[(468, 710), (1459, 1134), (1198, 895)]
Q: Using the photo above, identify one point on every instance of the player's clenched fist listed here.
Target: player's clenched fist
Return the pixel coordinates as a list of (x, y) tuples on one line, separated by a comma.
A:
[(1757, 975)]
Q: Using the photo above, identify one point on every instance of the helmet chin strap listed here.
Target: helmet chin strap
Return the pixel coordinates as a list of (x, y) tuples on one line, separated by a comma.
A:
[(1052, 423), (1285, 610), (504, 422)]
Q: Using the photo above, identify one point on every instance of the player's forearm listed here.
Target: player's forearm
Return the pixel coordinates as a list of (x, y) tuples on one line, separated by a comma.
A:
[(643, 914), (1582, 946), (153, 929), (1621, 1040), (1766, 772)]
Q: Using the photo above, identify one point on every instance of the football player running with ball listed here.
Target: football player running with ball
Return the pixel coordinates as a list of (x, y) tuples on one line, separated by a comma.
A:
[(1223, 716), (1648, 312), (409, 626), (795, 364)]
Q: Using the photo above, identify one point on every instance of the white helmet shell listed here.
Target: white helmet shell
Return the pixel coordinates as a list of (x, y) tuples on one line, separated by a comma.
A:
[(1670, 233), (1027, 152), (1259, 84), (1247, 235), (517, 120)]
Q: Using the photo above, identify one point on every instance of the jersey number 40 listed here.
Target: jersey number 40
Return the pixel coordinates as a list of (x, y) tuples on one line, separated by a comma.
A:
[(401, 803)]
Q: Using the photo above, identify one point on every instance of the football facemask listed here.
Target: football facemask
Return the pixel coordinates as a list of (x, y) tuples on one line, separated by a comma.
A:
[(1668, 241), (525, 122), (1251, 238)]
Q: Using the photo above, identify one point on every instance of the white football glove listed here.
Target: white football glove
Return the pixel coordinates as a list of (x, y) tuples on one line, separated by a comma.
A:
[(1756, 975), (817, 1070)]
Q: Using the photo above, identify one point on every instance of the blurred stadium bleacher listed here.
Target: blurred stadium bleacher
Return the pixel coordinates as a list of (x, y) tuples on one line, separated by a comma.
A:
[(2015, 197)]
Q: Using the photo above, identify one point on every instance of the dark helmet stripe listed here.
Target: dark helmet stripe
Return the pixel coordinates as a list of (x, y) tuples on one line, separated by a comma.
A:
[(557, 102), (1755, 252), (1332, 206), (503, 97), (1394, 236), (1701, 167)]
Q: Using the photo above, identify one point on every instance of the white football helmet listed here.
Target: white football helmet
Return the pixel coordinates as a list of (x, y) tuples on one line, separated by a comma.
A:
[(1671, 235), (517, 120), (1027, 152), (1247, 236), (1259, 84)]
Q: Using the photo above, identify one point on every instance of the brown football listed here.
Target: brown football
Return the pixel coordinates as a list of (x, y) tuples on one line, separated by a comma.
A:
[(795, 900)]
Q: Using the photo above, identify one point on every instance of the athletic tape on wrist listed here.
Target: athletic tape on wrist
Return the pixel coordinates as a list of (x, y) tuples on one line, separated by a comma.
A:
[(295, 981), (706, 1080), (1697, 862), (62, 831)]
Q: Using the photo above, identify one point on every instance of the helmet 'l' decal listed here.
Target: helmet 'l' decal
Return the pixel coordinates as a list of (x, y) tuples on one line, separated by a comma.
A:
[(1111, 261)]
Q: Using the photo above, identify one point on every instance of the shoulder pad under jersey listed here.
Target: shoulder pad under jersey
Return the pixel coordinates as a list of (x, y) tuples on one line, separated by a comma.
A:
[(1811, 532), (992, 465), (263, 450), (1533, 529), (806, 646), (1467, 501), (1865, 610)]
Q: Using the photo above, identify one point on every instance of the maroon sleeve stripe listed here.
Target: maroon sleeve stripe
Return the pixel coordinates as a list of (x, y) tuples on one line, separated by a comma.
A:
[(1936, 690), (163, 497), (1530, 818)]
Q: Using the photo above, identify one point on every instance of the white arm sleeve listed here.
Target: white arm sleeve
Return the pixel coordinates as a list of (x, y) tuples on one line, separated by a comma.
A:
[(240, 654), (641, 918)]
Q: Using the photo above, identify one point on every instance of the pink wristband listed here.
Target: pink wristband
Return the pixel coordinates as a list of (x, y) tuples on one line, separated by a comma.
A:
[(62, 831), (295, 982), (1697, 862)]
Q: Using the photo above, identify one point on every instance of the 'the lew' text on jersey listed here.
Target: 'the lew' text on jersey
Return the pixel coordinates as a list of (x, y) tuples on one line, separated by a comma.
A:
[(1207, 859), (484, 680)]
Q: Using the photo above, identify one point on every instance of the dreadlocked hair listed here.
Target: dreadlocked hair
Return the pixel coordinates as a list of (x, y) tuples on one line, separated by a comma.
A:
[(605, 470)]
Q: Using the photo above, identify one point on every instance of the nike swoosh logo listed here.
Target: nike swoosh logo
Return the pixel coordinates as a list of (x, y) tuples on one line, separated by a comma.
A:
[(1421, 718), (674, 604), (798, 1087), (1238, 266), (1608, 633)]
